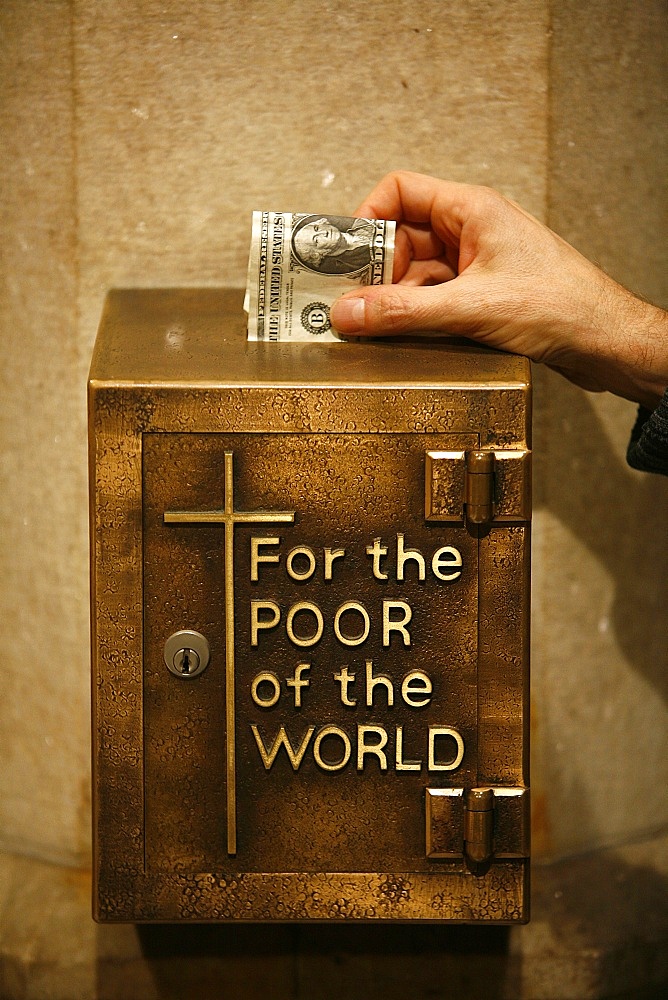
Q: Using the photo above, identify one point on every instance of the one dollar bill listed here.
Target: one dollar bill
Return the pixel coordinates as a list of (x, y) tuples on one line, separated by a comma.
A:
[(300, 263)]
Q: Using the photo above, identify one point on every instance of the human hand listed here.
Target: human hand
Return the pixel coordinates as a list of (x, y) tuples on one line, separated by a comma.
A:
[(472, 263)]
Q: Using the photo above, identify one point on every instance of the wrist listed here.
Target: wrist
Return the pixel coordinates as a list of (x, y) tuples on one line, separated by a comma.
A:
[(635, 335)]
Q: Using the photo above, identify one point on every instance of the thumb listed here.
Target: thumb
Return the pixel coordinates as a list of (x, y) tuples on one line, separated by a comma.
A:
[(387, 309)]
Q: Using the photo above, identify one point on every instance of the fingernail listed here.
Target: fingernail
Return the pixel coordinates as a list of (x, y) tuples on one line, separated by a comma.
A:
[(348, 315)]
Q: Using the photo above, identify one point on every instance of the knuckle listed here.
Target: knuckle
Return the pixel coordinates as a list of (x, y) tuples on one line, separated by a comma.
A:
[(491, 200), (402, 180), (390, 312)]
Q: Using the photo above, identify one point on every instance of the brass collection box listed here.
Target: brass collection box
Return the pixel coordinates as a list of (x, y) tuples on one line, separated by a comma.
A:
[(310, 586)]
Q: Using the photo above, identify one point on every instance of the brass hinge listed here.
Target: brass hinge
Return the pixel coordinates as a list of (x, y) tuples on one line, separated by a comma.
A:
[(477, 824), (480, 486)]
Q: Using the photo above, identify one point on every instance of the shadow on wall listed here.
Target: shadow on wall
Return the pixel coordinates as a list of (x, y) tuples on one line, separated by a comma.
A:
[(328, 962), (620, 515), (599, 930), (605, 924)]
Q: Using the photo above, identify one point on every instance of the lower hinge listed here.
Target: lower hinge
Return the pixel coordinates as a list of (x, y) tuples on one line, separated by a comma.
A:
[(477, 824)]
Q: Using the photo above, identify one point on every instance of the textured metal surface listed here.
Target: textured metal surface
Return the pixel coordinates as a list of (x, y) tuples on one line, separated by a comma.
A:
[(445, 821), (346, 492), (446, 484), (193, 820)]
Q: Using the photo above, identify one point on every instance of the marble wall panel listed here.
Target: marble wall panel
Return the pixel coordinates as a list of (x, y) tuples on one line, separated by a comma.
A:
[(600, 674), (44, 797), (188, 119), (139, 137)]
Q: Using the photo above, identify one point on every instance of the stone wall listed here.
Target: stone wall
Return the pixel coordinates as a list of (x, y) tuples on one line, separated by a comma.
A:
[(600, 636), (138, 138)]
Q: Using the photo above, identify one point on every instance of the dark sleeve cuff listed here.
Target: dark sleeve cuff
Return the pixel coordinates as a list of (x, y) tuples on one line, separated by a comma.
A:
[(648, 447)]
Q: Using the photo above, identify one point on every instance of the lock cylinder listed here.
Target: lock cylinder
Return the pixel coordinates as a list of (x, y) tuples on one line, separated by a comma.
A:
[(187, 653)]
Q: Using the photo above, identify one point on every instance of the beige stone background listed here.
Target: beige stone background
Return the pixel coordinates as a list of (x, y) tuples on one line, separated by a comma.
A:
[(138, 136)]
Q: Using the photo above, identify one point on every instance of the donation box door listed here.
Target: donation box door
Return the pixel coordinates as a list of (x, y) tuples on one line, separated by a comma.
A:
[(310, 622)]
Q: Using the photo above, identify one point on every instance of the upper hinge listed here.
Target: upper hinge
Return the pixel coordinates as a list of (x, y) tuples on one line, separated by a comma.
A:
[(479, 486)]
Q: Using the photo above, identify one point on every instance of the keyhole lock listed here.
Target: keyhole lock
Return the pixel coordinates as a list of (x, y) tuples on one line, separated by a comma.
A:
[(187, 653)]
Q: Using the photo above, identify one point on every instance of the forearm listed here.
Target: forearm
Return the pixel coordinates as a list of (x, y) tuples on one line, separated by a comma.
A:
[(635, 358)]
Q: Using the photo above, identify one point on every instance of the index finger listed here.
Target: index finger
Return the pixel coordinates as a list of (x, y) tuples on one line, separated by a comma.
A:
[(409, 197)]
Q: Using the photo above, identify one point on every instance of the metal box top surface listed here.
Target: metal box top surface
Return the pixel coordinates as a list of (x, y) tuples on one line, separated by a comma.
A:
[(198, 337), (364, 445)]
